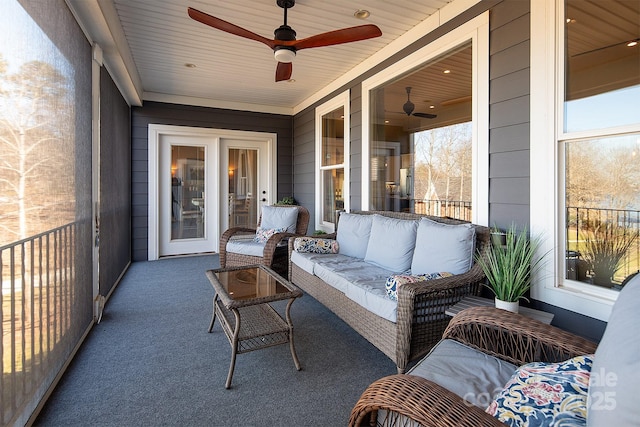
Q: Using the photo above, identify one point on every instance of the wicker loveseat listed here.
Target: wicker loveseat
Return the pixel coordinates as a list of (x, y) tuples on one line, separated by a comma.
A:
[(239, 248), (572, 382), (419, 312)]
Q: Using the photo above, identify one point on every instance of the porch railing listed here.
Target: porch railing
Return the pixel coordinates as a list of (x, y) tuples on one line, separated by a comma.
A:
[(580, 219), (38, 277), (457, 209)]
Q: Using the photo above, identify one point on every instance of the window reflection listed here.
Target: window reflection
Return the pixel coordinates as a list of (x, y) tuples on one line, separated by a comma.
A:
[(602, 64), (602, 93), (421, 139)]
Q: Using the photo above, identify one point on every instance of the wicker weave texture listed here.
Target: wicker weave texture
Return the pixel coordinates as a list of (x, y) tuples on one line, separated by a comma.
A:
[(408, 398), (421, 317), (509, 336), (514, 337)]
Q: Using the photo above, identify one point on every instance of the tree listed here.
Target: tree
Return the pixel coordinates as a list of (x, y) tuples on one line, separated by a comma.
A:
[(34, 123)]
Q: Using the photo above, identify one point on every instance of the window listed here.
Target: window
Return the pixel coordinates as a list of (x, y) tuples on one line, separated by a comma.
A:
[(425, 146), (332, 153), (421, 145), (585, 142), (601, 157)]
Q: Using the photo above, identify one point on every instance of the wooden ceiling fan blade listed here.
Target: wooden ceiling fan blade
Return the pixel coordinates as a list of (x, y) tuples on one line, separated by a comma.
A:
[(283, 71), (227, 27), (425, 115), (345, 35)]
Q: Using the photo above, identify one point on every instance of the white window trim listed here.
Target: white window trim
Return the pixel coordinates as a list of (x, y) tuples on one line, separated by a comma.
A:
[(342, 100), (547, 183), (477, 31)]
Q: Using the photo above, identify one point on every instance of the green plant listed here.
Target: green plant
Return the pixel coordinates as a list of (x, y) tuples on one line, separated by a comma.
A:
[(319, 232), (604, 249), (287, 201), (510, 264)]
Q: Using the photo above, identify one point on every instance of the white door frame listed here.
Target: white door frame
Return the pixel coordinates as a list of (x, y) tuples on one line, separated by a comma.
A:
[(155, 133)]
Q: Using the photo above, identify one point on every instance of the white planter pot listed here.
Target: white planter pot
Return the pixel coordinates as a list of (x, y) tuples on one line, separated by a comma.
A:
[(507, 305)]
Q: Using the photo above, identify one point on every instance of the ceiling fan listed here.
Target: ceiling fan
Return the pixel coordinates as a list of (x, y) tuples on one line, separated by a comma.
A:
[(409, 106), (285, 44)]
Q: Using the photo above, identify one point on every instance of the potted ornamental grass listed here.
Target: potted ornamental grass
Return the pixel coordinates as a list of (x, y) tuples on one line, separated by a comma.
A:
[(604, 249), (509, 266)]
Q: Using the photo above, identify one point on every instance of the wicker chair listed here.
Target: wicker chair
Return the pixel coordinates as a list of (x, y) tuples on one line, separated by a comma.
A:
[(275, 253), (511, 337)]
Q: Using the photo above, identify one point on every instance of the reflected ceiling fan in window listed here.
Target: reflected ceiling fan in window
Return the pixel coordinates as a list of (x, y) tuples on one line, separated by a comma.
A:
[(285, 44), (409, 106)]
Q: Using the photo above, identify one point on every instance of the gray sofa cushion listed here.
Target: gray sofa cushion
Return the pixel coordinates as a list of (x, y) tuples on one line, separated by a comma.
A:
[(443, 247), (475, 376), (353, 234), (615, 375), (391, 243)]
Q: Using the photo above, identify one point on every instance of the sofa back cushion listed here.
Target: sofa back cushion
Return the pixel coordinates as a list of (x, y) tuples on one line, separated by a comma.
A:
[(279, 217), (391, 243), (615, 375), (443, 247), (353, 234)]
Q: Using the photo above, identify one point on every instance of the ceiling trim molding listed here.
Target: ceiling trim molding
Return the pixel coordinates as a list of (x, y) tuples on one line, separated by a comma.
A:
[(99, 22), (212, 103), (437, 19)]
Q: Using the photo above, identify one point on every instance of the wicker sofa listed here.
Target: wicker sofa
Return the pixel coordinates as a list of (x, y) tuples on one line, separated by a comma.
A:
[(419, 312), (581, 382)]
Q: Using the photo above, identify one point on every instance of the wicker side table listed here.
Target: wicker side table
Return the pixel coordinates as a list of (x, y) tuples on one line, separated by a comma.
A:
[(241, 303), (468, 302)]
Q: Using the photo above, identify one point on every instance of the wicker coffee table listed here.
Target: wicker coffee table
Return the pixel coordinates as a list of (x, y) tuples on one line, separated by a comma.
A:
[(241, 302)]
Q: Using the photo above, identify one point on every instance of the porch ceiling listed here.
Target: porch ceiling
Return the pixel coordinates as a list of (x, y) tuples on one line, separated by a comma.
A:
[(147, 45)]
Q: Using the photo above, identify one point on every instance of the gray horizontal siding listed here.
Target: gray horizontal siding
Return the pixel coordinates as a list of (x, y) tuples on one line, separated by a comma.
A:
[(202, 117)]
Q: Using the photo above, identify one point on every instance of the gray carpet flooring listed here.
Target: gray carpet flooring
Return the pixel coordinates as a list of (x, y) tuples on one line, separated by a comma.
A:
[(151, 362)]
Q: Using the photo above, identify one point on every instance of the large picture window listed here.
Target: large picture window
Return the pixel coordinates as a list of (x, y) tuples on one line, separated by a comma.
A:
[(425, 136), (421, 145), (600, 141), (421, 139)]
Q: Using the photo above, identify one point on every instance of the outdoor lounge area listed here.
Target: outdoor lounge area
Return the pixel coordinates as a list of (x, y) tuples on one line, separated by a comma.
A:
[(143, 141)]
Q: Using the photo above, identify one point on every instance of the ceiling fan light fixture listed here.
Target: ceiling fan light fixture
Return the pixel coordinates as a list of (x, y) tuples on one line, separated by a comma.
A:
[(282, 54)]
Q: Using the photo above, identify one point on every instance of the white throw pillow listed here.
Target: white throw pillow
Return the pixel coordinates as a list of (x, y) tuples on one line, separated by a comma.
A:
[(353, 234), (279, 217), (443, 247), (391, 243)]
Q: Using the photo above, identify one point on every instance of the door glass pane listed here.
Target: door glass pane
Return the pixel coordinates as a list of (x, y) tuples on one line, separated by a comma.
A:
[(243, 183), (602, 64), (187, 192)]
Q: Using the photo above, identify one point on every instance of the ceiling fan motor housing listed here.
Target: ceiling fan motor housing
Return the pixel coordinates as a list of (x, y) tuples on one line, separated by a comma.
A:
[(284, 53)]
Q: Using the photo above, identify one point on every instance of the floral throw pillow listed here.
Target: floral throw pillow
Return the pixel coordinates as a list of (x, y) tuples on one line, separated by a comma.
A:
[(263, 234), (395, 281), (545, 394), (315, 245)]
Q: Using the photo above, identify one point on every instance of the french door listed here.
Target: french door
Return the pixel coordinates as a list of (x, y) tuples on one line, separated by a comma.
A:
[(203, 181), (247, 172), (188, 187)]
